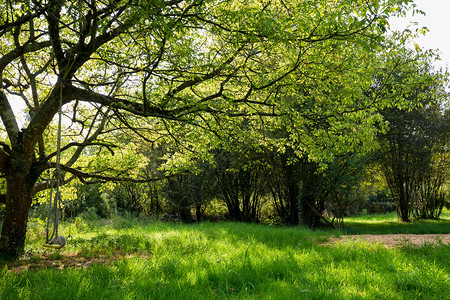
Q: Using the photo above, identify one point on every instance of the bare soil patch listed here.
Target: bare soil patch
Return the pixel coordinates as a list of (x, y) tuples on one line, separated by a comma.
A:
[(395, 240), (66, 261)]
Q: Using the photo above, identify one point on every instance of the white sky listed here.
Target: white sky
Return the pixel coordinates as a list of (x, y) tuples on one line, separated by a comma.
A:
[(437, 20)]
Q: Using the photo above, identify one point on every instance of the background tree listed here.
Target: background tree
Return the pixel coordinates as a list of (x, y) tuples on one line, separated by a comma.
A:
[(416, 138), (284, 184), (343, 181), (189, 191), (240, 182)]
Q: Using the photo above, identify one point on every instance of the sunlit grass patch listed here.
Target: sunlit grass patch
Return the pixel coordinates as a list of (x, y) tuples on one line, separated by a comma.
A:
[(389, 224), (154, 260)]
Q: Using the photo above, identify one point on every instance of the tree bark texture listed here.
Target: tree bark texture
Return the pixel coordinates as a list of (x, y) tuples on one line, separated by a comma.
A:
[(18, 202)]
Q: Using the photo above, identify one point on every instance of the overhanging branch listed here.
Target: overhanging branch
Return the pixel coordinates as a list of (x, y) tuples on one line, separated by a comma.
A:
[(116, 103), (82, 176), (83, 145)]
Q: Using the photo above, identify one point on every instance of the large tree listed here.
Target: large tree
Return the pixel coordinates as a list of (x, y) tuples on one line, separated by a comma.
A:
[(139, 66)]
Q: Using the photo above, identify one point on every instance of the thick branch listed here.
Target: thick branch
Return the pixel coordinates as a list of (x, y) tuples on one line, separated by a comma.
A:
[(82, 53), (8, 118), (90, 141), (22, 20), (46, 184), (53, 17), (82, 176), (199, 79), (117, 103), (5, 147), (21, 50), (81, 146)]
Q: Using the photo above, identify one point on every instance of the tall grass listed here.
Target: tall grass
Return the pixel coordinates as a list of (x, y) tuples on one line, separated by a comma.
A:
[(229, 260)]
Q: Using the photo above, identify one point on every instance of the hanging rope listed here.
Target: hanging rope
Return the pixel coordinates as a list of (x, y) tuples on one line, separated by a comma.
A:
[(56, 241), (47, 229)]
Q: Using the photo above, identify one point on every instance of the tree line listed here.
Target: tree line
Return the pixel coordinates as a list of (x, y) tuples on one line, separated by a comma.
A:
[(256, 183)]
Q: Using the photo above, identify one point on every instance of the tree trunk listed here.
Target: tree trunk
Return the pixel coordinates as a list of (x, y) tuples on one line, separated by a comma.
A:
[(19, 188), (198, 212), (234, 210), (311, 204), (403, 204), (18, 202), (185, 213), (293, 193)]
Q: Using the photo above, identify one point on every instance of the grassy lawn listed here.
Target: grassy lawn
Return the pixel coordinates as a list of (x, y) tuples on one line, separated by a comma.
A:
[(389, 224), (153, 260)]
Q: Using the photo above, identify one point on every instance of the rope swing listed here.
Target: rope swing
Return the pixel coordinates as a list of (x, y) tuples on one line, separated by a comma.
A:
[(54, 240)]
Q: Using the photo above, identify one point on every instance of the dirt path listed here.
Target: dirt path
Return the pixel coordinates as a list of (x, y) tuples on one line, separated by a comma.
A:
[(397, 240)]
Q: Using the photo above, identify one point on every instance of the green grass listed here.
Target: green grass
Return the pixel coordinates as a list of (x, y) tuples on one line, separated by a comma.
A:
[(389, 224), (227, 261)]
